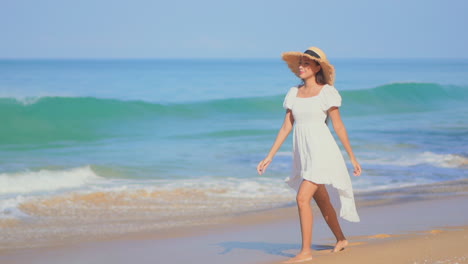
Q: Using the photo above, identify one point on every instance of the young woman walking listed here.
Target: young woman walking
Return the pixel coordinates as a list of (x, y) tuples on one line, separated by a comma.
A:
[(317, 160)]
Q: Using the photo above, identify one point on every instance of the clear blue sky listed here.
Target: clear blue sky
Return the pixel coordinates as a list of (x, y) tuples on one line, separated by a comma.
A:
[(232, 29)]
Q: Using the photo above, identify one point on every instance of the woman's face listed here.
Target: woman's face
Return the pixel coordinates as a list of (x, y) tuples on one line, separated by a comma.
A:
[(308, 68)]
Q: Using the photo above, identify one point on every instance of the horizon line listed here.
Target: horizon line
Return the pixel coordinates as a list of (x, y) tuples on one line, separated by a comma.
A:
[(218, 58)]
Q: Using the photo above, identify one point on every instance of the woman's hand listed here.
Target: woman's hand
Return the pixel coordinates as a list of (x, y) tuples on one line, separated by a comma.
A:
[(262, 165), (357, 167)]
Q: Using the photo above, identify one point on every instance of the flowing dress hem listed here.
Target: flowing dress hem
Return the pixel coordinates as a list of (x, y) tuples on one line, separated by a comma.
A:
[(348, 208)]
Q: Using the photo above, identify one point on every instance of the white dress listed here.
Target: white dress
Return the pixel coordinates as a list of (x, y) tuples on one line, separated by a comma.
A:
[(316, 156)]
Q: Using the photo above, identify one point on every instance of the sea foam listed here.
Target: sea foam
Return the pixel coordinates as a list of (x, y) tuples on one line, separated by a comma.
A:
[(423, 158), (46, 180)]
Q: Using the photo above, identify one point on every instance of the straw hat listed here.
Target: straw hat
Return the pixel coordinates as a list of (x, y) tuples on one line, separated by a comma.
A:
[(292, 58)]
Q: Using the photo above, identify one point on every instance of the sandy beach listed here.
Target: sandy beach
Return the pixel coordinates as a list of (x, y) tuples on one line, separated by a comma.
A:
[(428, 224)]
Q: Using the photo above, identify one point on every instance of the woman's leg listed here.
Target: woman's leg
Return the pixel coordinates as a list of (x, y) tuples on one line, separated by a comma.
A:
[(303, 198), (322, 199)]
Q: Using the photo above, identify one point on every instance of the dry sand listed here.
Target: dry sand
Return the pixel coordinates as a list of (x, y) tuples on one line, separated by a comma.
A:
[(435, 246)]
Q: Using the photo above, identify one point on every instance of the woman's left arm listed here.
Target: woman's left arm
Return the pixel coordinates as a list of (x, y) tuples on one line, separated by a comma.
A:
[(340, 130)]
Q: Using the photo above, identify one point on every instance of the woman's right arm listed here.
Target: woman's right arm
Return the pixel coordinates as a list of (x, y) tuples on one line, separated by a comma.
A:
[(280, 138)]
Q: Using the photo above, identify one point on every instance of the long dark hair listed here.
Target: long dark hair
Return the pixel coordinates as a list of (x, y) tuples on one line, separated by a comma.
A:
[(320, 77)]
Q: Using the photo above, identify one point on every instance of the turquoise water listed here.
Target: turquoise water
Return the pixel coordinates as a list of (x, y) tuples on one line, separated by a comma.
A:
[(170, 126)]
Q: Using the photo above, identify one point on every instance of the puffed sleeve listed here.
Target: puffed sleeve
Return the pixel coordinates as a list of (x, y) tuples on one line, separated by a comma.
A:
[(330, 97), (289, 98)]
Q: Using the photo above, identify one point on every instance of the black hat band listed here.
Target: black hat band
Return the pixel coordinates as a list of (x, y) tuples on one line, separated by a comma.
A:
[(312, 53)]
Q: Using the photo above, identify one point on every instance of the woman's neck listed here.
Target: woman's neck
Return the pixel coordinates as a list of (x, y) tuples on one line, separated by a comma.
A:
[(311, 84)]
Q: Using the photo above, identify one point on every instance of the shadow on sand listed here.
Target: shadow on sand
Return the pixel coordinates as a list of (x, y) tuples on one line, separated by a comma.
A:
[(268, 248)]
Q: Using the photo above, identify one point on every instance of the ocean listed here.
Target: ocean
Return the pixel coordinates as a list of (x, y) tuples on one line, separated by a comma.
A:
[(116, 146)]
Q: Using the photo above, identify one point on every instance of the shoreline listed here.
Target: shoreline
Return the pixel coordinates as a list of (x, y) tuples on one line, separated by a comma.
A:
[(260, 242), (387, 197), (271, 235)]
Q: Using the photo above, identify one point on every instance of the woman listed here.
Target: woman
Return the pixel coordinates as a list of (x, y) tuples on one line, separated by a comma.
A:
[(317, 160)]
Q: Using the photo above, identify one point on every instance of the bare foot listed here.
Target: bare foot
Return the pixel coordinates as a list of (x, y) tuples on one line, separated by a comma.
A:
[(301, 257), (340, 245)]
